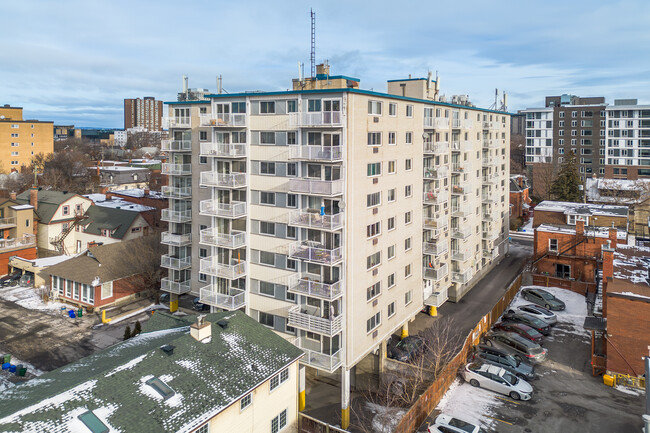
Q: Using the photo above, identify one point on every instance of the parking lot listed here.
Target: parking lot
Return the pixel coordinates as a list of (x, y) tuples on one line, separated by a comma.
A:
[(566, 397)]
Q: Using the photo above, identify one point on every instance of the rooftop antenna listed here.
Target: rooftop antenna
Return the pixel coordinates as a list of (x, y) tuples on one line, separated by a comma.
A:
[(313, 43)]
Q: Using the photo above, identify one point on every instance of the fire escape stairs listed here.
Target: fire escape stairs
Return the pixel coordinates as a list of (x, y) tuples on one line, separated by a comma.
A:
[(58, 241)]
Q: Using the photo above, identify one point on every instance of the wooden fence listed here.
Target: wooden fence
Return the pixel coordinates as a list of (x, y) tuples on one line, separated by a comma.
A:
[(580, 287)]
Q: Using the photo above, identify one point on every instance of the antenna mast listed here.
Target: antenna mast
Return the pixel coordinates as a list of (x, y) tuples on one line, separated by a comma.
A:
[(313, 43)]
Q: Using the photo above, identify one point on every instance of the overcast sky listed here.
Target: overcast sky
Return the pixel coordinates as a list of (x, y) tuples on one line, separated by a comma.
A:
[(74, 62)]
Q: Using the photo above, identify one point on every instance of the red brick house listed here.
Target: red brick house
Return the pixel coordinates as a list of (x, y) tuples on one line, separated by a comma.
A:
[(519, 198)]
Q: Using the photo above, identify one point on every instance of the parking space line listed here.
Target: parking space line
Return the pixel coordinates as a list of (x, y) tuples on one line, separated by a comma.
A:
[(500, 420), (507, 399)]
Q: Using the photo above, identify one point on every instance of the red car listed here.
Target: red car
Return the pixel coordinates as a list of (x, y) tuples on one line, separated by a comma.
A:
[(521, 329)]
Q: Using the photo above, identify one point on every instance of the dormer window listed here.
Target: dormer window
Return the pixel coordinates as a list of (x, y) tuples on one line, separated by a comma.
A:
[(105, 232), (66, 210), (571, 219)]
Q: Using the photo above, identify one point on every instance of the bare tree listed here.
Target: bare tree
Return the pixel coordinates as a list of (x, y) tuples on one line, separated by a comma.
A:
[(544, 175), (144, 255), (517, 153)]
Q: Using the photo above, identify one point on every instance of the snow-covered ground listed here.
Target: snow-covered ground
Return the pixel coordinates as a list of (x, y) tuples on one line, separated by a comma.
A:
[(29, 298), (528, 227), (5, 374), (385, 419)]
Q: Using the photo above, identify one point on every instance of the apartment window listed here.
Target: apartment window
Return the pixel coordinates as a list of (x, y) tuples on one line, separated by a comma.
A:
[(407, 272), (267, 228), (374, 108), (407, 217), (391, 280), (391, 223), (407, 244), (374, 139), (561, 123), (279, 422), (408, 297), (374, 169), (391, 138), (203, 159), (291, 138), (292, 169), (279, 379), (391, 195), (267, 288), (267, 168), (266, 319), (373, 230), (292, 200), (292, 106), (391, 167), (203, 135), (267, 198), (267, 137), (373, 199), (392, 109), (373, 322), (574, 123), (373, 291), (267, 258), (409, 111), (409, 138), (291, 264), (203, 277), (391, 309), (561, 141), (561, 132), (203, 253), (65, 210), (373, 260), (552, 245), (408, 190), (267, 107), (14, 153), (313, 105), (245, 401), (560, 151), (391, 252), (408, 164), (574, 114), (574, 132)]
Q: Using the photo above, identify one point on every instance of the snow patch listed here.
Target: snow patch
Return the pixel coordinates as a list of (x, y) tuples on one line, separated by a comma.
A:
[(132, 363), (629, 391), (467, 402), (385, 419)]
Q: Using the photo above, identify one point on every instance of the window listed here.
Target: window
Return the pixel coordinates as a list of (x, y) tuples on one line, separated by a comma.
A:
[(373, 229), (391, 138), (391, 309), (267, 258), (245, 401), (373, 260), (374, 139), (374, 169), (291, 264), (267, 167), (103, 232), (267, 137), (266, 320), (392, 109), (267, 198), (267, 228), (313, 105), (409, 111), (292, 106), (238, 107), (373, 291), (203, 277), (407, 217), (408, 190), (65, 210), (391, 252), (292, 200), (203, 253), (408, 165), (391, 223), (408, 297), (391, 280), (407, 244), (373, 199), (391, 195), (562, 270), (391, 167), (267, 288), (408, 272), (280, 421), (373, 322), (267, 107), (374, 108), (203, 159), (203, 135), (279, 379), (552, 245), (409, 138)]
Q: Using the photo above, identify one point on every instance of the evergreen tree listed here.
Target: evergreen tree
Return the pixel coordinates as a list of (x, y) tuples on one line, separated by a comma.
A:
[(566, 186), (127, 332), (137, 329)]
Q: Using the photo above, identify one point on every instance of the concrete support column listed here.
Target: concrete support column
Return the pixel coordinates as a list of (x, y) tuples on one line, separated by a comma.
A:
[(302, 402), (382, 356), (405, 330), (345, 398), (173, 302)]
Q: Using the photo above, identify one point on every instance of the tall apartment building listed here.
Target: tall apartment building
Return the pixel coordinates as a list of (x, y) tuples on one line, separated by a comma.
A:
[(146, 112), (628, 140), (333, 214), (21, 139)]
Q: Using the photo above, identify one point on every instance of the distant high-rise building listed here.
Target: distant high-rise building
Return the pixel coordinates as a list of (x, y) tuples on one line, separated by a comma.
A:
[(146, 112), (21, 139)]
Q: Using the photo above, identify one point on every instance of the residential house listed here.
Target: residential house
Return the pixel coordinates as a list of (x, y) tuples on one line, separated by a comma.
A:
[(519, 199), (222, 372), (117, 177), (145, 197), (16, 232)]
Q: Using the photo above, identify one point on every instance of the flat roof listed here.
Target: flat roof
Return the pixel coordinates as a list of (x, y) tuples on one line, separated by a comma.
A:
[(572, 208)]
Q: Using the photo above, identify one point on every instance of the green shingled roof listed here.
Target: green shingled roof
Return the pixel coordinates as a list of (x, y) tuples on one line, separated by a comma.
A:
[(118, 221), (48, 202), (205, 377)]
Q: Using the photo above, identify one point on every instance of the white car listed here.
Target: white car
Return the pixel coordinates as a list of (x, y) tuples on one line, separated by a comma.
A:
[(497, 379), (447, 424), (541, 313)]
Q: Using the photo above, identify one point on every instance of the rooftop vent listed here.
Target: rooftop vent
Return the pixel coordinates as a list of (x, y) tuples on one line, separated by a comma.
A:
[(223, 323), (168, 349), (160, 387), (201, 330)]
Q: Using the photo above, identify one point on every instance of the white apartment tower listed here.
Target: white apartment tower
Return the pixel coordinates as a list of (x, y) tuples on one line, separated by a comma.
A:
[(333, 214)]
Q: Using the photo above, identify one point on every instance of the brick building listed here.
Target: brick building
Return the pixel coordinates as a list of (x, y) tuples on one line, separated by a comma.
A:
[(146, 112), (519, 198)]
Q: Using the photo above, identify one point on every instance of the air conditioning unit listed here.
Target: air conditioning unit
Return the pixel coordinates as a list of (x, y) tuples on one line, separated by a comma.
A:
[(375, 150), (375, 241), (375, 119), (375, 272), (375, 180), (375, 211)]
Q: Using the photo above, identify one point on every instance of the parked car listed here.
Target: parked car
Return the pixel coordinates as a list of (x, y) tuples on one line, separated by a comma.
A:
[(504, 359), (521, 348), (10, 279), (164, 298), (447, 424), (540, 313), (497, 379), (27, 279), (407, 349), (527, 319), (543, 298), (199, 306), (521, 329)]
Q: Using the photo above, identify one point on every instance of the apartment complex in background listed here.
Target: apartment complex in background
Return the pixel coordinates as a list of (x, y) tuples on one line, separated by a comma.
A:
[(333, 214), (628, 140), (146, 112), (21, 139)]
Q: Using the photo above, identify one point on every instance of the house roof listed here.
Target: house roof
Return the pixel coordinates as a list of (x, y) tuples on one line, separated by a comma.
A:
[(48, 202), (118, 221), (571, 208), (597, 232), (206, 377), (514, 183), (633, 263)]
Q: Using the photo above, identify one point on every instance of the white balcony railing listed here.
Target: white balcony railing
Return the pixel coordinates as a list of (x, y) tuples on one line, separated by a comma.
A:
[(176, 169), (314, 356), (459, 167), (489, 161), (222, 150), (437, 148), (460, 210), (431, 197), (491, 234), (461, 255), (490, 144), (180, 122), (235, 209), (223, 119), (314, 252), (175, 240), (312, 319), (438, 297), (461, 232), (176, 145), (176, 191), (488, 197), (175, 263), (436, 123), (435, 273), (491, 253), (7, 222), (434, 223), (316, 153), (211, 266), (223, 180), (435, 248), (176, 287), (234, 299), (462, 277), (25, 241), (435, 172), (320, 118), (176, 216), (316, 187), (211, 236), (302, 284), (458, 189), (314, 220), (488, 180)]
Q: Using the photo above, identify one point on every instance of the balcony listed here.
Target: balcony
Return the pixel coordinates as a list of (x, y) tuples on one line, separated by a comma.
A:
[(459, 167), (310, 319), (461, 255), (175, 263), (231, 241), (223, 180), (461, 123), (435, 172), (490, 144), (304, 285), (461, 233), (458, 189), (176, 287), (312, 219), (223, 150), (485, 216), (314, 357), (462, 277), (180, 122), (175, 240), (488, 197), (490, 235), (491, 125), (176, 145), (438, 148), (435, 248), (211, 266), (235, 209), (25, 241), (316, 119), (234, 299), (489, 162), (438, 297), (431, 197), (316, 153), (317, 187), (491, 254), (435, 273), (488, 180), (224, 120), (436, 123), (176, 216), (434, 223), (176, 191), (7, 223), (458, 146), (461, 211), (315, 252), (176, 169)]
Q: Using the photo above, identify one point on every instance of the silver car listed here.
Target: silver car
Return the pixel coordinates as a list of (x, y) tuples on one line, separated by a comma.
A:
[(448, 424), (547, 316), (498, 380)]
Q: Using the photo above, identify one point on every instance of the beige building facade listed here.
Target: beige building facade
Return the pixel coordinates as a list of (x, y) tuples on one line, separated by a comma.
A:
[(21, 139)]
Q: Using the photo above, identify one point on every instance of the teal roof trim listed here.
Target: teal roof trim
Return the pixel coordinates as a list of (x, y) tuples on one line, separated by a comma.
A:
[(411, 79), (336, 77), (185, 102)]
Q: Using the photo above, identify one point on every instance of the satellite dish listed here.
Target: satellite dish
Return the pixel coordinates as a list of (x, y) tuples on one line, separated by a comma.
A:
[(95, 282), (341, 204)]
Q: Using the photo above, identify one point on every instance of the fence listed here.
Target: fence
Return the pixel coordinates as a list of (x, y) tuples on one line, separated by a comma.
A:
[(307, 424), (580, 287)]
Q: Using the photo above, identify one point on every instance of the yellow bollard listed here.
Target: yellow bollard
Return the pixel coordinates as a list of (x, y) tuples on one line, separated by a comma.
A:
[(345, 418), (302, 401), (173, 306), (104, 319), (405, 333), (433, 311)]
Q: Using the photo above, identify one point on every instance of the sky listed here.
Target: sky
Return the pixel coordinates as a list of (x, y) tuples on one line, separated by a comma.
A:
[(74, 62)]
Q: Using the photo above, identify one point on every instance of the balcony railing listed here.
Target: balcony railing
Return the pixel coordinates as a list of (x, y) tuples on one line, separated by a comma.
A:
[(460, 255), (461, 232), (176, 191), (180, 122), (26, 241), (488, 180), (314, 220), (316, 153), (312, 319), (436, 123), (223, 180), (487, 217), (458, 189), (234, 299), (176, 216), (315, 253), (491, 254), (232, 240), (491, 235), (435, 248), (435, 273), (461, 211), (223, 119), (434, 223), (6, 223), (431, 197), (435, 172), (488, 197), (458, 145), (176, 145), (438, 297), (176, 169), (175, 240), (175, 263), (303, 285), (490, 144), (177, 287), (489, 161), (437, 148), (222, 150), (314, 357), (319, 118), (459, 167), (235, 209), (211, 266), (316, 187), (462, 277)]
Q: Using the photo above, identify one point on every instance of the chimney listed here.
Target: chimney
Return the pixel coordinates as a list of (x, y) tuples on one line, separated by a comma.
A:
[(146, 192), (33, 197), (12, 195), (580, 227), (520, 179), (201, 330), (612, 235), (608, 271)]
